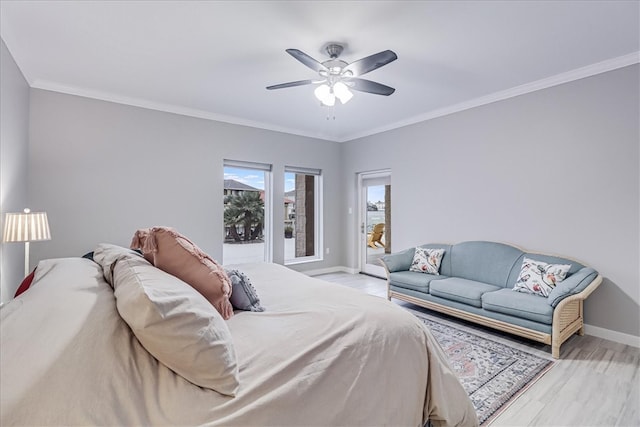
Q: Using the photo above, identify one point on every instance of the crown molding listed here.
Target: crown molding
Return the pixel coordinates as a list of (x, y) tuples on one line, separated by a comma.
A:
[(169, 108), (558, 79), (569, 76)]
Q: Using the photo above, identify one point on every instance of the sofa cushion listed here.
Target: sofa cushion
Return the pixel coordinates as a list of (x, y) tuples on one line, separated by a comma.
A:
[(427, 260), (526, 306), (461, 290), (487, 262), (412, 280), (519, 321)]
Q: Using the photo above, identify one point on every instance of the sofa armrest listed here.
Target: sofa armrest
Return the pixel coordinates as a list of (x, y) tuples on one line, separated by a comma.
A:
[(398, 261), (572, 285)]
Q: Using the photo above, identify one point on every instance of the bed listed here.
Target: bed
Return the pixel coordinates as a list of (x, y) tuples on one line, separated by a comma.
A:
[(320, 354)]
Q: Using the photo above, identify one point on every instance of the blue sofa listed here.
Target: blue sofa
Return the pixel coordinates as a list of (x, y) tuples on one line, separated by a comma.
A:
[(476, 283)]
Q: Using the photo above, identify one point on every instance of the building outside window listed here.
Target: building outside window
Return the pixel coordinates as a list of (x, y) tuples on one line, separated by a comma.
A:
[(302, 219)]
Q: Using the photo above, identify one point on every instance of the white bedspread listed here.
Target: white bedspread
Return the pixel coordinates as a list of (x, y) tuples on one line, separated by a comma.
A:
[(321, 354)]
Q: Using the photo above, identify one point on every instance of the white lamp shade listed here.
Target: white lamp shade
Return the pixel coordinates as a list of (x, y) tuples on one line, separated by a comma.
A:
[(322, 91), (325, 95), (342, 92), (329, 100), (26, 227)]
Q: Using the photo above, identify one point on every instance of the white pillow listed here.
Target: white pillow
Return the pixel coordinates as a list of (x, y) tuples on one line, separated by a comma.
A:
[(176, 324), (106, 255), (539, 278), (427, 260)]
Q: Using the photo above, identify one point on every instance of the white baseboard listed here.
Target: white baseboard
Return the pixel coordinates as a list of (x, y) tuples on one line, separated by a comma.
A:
[(338, 269), (608, 334)]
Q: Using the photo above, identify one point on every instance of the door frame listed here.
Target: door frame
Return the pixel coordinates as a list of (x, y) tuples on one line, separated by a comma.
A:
[(361, 234)]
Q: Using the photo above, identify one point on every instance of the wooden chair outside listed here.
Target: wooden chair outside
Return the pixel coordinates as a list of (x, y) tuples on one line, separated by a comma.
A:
[(375, 236)]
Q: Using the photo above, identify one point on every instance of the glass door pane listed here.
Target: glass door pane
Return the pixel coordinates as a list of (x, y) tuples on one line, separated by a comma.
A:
[(376, 222)]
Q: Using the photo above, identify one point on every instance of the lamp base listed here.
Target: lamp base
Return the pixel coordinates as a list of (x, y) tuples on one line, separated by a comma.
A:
[(26, 259)]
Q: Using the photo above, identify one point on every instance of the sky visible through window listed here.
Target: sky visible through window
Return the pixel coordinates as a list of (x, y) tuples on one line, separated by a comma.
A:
[(255, 178), (289, 181), (375, 193)]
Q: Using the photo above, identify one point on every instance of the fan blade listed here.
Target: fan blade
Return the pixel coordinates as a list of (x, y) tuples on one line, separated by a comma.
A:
[(307, 60), (368, 86), (292, 84), (370, 63)]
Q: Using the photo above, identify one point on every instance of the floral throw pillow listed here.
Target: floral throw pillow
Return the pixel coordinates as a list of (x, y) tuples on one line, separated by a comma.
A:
[(427, 260), (539, 278)]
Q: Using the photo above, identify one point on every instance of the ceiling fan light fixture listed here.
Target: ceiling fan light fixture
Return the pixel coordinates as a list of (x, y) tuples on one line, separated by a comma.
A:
[(321, 91), (342, 92), (329, 100), (335, 72), (325, 95)]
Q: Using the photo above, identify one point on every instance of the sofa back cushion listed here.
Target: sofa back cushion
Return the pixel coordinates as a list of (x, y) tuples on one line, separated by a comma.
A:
[(488, 262)]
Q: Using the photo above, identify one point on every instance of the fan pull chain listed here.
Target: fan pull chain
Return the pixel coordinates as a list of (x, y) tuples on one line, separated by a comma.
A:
[(331, 115)]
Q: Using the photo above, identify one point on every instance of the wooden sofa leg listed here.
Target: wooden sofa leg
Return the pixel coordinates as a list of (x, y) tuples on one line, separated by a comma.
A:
[(555, 350)]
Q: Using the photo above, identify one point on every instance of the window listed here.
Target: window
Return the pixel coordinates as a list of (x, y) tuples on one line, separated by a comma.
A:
[(302, 218), (246, 212)]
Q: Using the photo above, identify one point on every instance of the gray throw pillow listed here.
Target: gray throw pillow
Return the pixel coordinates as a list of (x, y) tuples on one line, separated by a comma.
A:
[(243, 294)]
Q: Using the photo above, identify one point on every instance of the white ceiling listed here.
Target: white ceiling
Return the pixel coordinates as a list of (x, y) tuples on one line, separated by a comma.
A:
[(214, 59)]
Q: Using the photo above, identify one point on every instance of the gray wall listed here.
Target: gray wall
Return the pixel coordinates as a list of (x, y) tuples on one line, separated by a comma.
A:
[(103, 170), (551, 171), (14, 116)]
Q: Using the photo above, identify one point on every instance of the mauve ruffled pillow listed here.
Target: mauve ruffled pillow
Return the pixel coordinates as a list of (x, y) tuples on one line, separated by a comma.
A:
[(173, 253)]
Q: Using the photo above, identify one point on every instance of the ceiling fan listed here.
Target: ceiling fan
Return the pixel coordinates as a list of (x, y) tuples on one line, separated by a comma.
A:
[(338, 76)]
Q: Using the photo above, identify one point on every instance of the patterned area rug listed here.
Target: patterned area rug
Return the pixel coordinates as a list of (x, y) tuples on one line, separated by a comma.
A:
[(493, 373)]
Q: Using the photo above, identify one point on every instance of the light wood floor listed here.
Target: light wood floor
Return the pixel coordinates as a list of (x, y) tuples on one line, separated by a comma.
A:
[(595, 382)]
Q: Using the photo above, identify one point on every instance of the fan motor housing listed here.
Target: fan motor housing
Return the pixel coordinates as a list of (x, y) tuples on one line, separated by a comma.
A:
[(334, 50)]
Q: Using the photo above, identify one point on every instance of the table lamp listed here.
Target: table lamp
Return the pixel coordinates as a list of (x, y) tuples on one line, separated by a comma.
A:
[(26, 227)]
